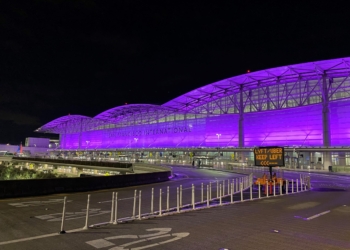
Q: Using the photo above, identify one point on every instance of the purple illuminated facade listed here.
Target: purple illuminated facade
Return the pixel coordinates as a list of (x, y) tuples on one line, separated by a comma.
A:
[(300, 105)]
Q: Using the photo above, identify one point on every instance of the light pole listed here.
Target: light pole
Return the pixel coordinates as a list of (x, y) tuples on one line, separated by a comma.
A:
[(218, 135)]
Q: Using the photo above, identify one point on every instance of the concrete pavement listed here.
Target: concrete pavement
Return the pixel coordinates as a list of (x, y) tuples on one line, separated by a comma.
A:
[(279, 223)]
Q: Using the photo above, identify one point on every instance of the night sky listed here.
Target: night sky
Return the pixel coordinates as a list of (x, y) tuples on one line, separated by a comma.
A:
[(84, 57)]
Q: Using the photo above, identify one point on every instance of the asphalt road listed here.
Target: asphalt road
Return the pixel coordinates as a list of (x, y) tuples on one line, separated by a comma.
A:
[(318, 219)]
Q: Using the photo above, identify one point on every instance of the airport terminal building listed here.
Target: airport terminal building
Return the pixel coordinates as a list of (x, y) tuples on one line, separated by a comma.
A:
[(303, 107)]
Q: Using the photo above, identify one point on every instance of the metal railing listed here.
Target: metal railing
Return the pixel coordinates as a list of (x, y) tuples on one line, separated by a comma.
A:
[(212, 194)]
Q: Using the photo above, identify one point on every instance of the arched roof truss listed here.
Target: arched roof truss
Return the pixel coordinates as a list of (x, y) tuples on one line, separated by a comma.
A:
[(293, 85), (68, 124), (135, 114)]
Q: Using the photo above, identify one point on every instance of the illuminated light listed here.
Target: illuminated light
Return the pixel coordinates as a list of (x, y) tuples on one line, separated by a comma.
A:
[(300, 126), (248, 71)]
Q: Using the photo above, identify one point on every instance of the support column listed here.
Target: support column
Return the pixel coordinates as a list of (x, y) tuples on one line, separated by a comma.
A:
[(241, 119), (341, 157), (327, 161)]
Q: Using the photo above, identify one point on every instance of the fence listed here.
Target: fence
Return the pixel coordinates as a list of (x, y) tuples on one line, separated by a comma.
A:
[(213, 194)]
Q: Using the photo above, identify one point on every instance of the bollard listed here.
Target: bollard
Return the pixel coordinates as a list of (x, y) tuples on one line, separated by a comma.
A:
[(207, 195), (232, 193), (217, 189), (233, 185), (180, 196), (228, 187), (160, 202), (237, 184), (193, 205), (281, 184), (287, 186), (223, 188), (306, 183), (134, 208), (152, 200), (63, 215), (209, 190), (202, 198), (167, 199), (267, 189), (220, 196), (274, 188), (251, 189), (259, 189), (297, 186), (87, 212), (116, 209), (140, 205), (178, 200), (112, 209), (309, 180), (292, 186), (241, 187)]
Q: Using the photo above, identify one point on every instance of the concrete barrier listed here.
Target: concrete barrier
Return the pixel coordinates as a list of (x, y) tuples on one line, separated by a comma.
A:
[(20, 188), (73, 162)]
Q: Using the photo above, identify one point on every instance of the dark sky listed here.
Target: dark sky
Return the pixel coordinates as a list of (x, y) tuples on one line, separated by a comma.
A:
[(84, 57)]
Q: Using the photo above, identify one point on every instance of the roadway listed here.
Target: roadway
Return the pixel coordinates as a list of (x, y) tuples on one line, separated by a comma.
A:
[(278, 222)]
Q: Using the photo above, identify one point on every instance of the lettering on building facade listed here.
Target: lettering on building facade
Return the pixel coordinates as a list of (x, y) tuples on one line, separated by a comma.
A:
[(149, 132)]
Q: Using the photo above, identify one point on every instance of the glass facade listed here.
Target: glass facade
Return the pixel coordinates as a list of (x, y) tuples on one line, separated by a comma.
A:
[(304, 105)]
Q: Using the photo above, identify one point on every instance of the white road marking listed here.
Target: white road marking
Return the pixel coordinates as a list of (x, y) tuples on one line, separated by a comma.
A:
[(37, 203), (100, 243), (39, 237), (317, 215), (129, 198), (72, 215), (161, 233), (122, 237)]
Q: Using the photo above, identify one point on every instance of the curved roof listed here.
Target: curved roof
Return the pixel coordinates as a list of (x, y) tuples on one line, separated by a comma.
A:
[(135, 112), (57, 125), (217, 90)]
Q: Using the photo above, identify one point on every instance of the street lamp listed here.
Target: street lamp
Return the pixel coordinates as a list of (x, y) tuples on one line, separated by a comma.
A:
[(218, 135)]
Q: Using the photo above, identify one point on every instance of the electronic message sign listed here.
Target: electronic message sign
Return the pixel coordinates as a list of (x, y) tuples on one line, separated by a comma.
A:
[(269, 156)]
